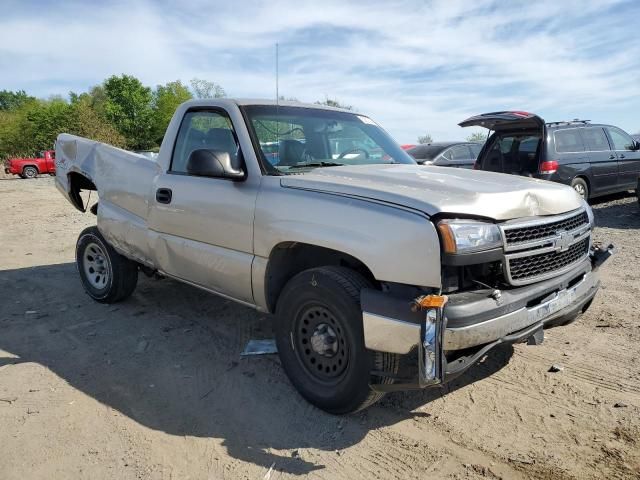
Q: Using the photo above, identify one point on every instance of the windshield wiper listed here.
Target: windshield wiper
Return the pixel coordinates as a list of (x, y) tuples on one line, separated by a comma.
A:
[(316, 164)]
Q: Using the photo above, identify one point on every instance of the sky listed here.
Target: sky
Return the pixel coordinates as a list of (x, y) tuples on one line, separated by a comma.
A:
[(416, 67)]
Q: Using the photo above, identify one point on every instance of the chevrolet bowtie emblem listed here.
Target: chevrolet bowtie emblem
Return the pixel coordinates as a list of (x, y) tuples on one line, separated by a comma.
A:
[(563, 242)]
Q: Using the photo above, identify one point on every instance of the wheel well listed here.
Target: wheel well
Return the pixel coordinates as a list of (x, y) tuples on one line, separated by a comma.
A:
[(585, 180), (290, 258), (30, 165), (77, 183)]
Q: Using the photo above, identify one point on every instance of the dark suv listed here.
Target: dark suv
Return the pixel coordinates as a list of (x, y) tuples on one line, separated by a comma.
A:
[(594, 159)]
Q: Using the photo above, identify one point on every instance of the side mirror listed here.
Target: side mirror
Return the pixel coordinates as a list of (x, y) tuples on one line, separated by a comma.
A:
[(636, 145), (213, 163)]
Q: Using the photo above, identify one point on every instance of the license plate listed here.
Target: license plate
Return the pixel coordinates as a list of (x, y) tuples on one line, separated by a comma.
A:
[(563, 299)]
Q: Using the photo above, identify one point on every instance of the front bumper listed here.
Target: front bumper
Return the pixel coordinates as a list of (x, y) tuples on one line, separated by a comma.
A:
[(475, 322)]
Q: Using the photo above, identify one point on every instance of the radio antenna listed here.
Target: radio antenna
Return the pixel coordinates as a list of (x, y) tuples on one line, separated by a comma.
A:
[(277, 101)]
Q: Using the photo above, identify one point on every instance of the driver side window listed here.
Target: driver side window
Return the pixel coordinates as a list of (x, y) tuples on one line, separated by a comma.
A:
[(209, 130)]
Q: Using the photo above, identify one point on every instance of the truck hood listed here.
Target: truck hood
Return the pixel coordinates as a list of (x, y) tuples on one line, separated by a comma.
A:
[(435, 190)]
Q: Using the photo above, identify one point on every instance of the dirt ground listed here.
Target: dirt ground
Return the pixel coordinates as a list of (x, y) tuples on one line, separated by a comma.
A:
[(155, 387)]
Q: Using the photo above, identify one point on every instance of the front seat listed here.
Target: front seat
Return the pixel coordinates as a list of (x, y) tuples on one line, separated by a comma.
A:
[(290, 152)]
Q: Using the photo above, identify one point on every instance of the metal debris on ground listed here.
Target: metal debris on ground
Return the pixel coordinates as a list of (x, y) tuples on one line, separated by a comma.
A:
[(556, 368), (267, 476), (260, 347)]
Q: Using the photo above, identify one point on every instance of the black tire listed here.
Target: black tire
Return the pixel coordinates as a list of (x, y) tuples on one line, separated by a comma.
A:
[(29, 172), (580, 186), (338, 381), (638, 191), (106, 276)]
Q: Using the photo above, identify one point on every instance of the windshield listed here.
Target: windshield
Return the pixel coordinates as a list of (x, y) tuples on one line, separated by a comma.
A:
[(292, 139)]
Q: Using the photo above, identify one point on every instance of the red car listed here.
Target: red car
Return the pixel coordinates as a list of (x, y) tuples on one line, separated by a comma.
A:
[(32, 167)]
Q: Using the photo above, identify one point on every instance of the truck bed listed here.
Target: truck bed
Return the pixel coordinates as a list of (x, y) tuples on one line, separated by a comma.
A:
[(123, 180)]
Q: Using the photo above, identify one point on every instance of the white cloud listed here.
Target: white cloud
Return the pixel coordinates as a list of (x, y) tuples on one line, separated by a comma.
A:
[(413, 66)]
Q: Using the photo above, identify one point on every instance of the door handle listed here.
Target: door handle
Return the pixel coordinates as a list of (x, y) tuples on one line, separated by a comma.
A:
[(621, 156), (163, 195), (612, 157)]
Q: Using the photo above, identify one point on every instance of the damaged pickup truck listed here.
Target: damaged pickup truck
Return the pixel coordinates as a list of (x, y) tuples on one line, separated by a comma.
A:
[(363, 256)]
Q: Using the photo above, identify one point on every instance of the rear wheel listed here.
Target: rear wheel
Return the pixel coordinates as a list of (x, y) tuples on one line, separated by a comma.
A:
[(638, 191), (580, 186), (106, 276), (29, 172), (321, 341)]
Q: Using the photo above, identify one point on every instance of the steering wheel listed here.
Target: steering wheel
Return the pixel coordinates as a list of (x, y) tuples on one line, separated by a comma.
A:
[(354, 150)]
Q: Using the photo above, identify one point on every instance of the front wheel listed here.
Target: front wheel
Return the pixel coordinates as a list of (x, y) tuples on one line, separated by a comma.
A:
[(106, 276), (321, 341)]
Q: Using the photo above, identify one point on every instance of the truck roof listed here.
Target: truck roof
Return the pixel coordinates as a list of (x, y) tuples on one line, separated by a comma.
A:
[(253, 101)]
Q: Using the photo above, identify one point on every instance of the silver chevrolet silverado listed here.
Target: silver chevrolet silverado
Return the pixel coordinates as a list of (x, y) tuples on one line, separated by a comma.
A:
[(316, 215)]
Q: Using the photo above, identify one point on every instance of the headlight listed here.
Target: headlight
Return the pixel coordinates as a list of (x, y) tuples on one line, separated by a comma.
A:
[(466, 236)]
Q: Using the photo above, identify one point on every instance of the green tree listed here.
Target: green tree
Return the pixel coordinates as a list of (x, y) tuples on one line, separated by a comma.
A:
[(128, 106), (10, 134), (87, 123), (34, 127), (13, 100), (478, 137), (166, 100), (426, 138), (46, 121), (334, 102), (206, 89)]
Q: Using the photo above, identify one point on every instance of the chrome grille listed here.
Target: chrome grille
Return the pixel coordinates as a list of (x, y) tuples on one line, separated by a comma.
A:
[(544, 247), (540, 231), (534, 266)]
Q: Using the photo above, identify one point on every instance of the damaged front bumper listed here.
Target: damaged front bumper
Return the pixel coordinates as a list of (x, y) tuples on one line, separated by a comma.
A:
[(452, 337)]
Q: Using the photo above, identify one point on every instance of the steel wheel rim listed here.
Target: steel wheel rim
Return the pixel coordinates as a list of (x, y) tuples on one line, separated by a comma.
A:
[(97, 268), (29, 172), (321, 343), (580, 189)]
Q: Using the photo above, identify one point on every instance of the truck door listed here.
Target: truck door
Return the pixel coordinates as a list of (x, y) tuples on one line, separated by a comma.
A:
[(202, 227), (603, 160), (50, 162), (628, 158)]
